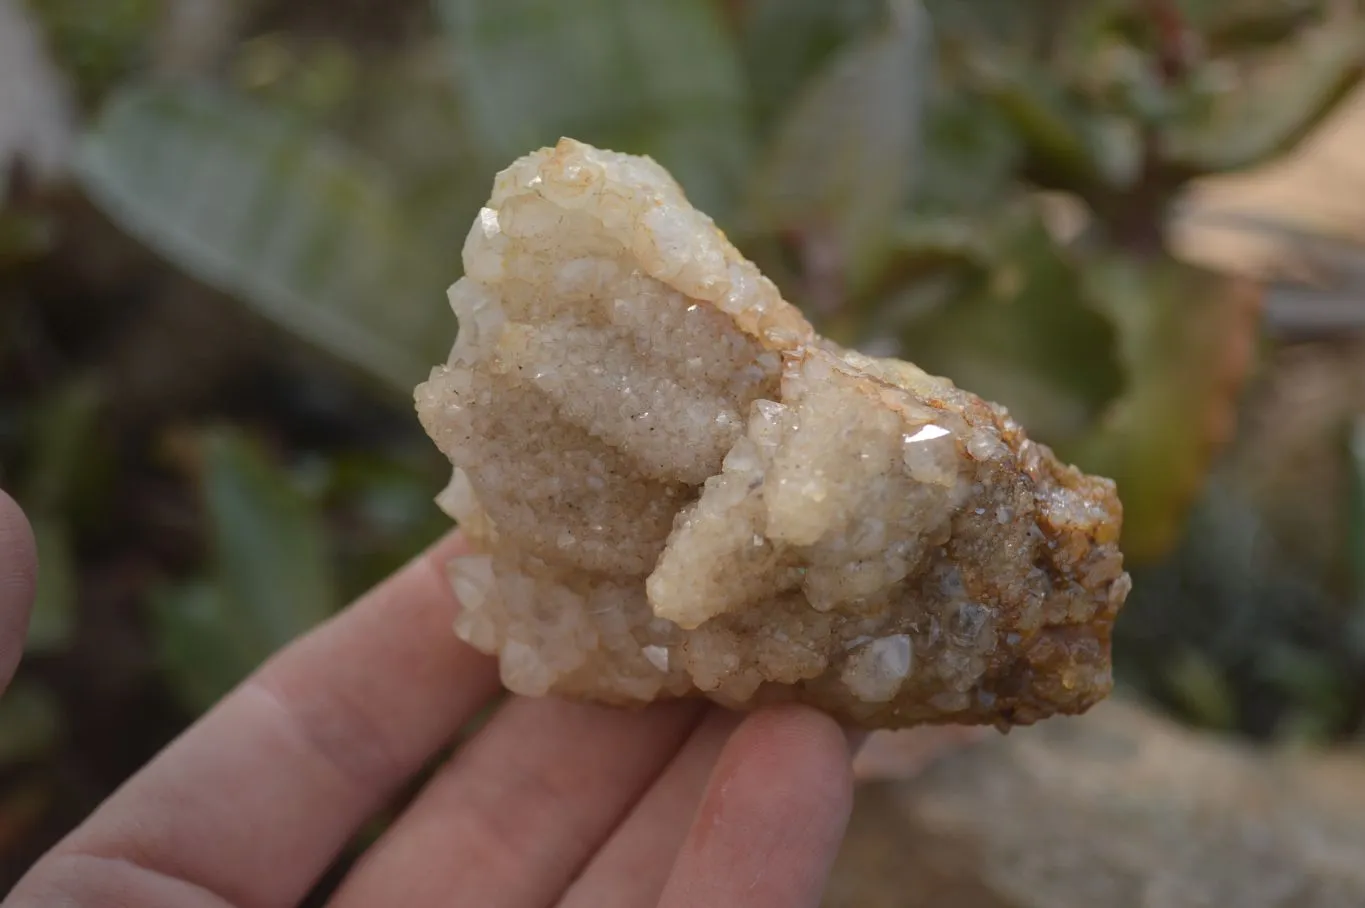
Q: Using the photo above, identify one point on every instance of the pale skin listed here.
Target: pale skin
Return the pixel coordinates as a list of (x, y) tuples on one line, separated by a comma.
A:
[(549, 804)]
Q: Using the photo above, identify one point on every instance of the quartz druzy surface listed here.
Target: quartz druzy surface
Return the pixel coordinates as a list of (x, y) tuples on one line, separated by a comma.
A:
[(675, 487)]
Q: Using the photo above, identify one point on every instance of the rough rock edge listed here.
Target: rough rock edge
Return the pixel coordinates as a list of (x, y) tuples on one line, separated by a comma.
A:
[(1028, 679)]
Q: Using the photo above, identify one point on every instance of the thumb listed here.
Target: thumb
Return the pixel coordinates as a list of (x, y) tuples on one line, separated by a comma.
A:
[(18, 582)]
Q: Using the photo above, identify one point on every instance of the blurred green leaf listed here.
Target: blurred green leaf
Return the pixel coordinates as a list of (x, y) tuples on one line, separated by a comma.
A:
[(271, 581), (1022, 333), (202, 645), (1002, 26), (22, 237), (932, 279), (314, 78), (970, 155), (54, 609), (1317, 686), (98, 42), (63, 452), (785, 42), (269, 545), (1187, 339), (1229, 592), (409, 117), (30, 723), (1065, 143), (941, 250), (1063, 82), (968, 174), (263, 207), (840, 166), (384, 513), (963, 240), (657, 77), (1274, 108), (1202, 690)]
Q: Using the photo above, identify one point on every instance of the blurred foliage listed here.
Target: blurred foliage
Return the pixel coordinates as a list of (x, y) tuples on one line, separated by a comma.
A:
[(841, 158), (99, 42), (52, 622), (986, 187), (270, 575), (1186, 349), (659, 77), (864, 161), (29, 716), (63, 483), (1020, 326), (259, 205)]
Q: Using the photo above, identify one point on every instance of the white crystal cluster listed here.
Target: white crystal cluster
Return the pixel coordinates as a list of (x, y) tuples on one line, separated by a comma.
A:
[(675, 487)]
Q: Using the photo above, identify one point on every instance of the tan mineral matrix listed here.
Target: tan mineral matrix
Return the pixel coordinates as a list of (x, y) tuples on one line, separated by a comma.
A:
[(675, 487)]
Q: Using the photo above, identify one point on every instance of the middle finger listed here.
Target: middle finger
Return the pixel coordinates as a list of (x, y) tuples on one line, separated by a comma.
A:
[(517, 812), (632, 867)]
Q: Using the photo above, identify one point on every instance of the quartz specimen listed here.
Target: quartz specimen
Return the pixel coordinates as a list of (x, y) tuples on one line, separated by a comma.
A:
[(675, 487)]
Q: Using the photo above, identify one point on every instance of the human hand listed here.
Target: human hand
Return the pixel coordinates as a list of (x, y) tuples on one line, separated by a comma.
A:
[(18, 578), (551, 803)]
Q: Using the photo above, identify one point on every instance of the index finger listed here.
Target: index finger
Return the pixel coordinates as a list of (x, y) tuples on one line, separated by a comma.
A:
[(252, 804), (18, 582)]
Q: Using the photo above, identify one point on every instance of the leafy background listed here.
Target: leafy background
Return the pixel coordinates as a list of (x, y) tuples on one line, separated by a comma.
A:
[(226, 227)]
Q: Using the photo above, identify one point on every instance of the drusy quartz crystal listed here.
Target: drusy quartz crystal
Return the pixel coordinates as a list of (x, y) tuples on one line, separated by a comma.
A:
[(675, 487)]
